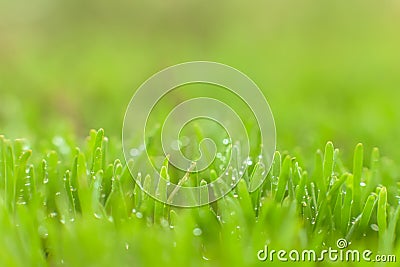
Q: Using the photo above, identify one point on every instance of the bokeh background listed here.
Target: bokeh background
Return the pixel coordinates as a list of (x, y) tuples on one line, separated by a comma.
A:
[(329, 69)]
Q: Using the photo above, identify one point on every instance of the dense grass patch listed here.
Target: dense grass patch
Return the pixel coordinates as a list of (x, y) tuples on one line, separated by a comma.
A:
[(81, 207)]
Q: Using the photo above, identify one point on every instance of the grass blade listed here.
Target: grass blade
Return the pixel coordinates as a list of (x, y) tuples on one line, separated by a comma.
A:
[(357, 172)]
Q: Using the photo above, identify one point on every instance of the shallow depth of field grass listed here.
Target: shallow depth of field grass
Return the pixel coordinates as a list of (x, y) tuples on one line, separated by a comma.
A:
[(81, 207), (330, 72)]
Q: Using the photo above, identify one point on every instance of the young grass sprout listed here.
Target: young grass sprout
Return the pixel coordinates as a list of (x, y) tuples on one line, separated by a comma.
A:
[(82, 208)]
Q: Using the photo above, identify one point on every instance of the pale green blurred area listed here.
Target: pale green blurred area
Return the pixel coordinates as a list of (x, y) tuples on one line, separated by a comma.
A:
[(329, 69)]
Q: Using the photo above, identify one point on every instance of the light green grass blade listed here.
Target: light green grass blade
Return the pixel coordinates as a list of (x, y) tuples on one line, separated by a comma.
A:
[(373, 178), (347, 205), (283, 179), (318, 176), (382, 213), (276, 171), (328, 163), (357, 172), (366, 213), (245, 201)]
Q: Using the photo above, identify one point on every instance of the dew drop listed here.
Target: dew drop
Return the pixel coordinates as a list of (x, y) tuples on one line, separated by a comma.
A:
[(43, 231), (197, 232), (205, 258), (375, 227)]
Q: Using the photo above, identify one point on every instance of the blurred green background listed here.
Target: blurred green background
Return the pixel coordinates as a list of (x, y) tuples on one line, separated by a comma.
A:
[(329, 69)]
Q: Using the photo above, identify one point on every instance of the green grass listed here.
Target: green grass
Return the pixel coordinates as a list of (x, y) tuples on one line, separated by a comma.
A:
[(329, 70), (81, 207)]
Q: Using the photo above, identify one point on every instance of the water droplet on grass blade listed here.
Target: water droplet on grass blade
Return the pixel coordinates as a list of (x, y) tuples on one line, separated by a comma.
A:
[(43, 231), (134, 152), (197, 232), (375, 227), (21, 202)]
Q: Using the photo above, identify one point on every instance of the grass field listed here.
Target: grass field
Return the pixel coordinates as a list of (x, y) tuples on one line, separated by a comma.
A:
[(330, 72)]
